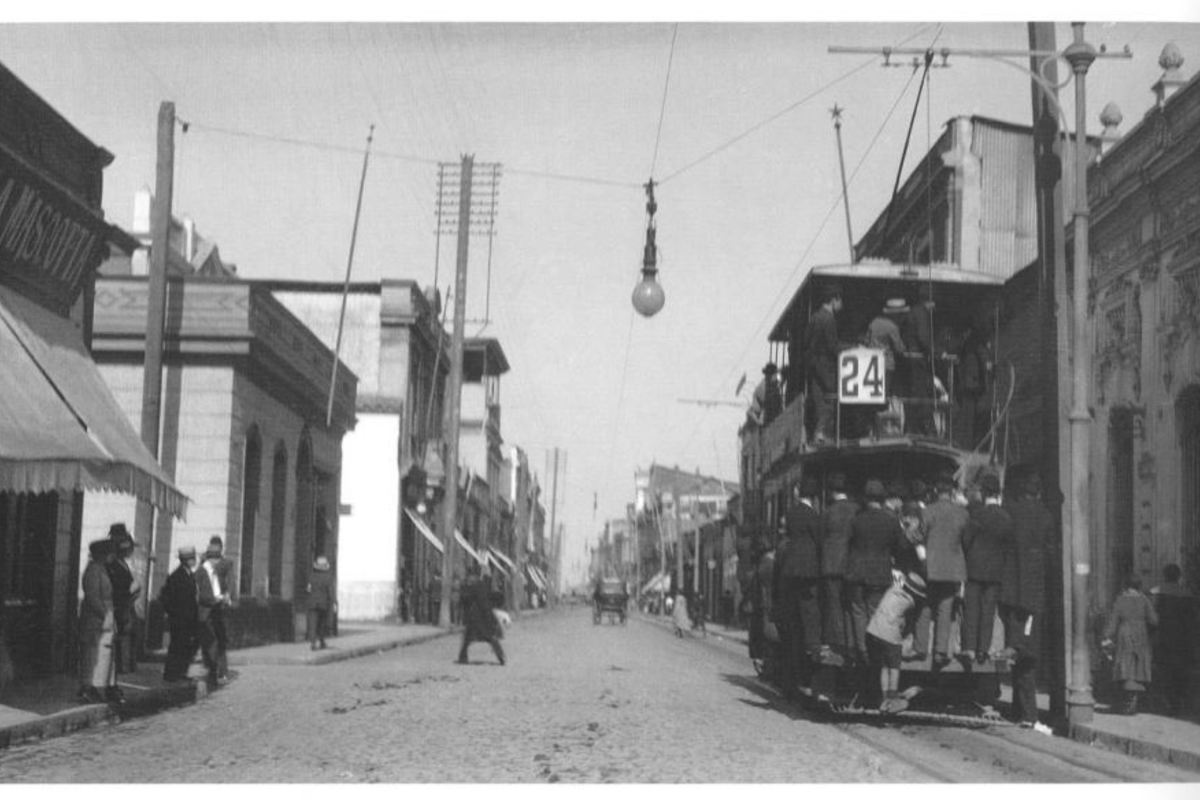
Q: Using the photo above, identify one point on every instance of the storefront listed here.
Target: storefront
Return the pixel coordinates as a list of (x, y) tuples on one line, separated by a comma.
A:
[(61, 431)]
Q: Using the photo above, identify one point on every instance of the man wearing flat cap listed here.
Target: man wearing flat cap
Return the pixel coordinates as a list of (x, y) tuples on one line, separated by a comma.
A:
[(211, 616), (945, 569), (918, 334), (797, 573), (876, 543), (179, 600), (821, 352)]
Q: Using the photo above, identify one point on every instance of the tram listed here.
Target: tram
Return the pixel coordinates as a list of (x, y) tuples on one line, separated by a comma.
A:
[(885, 426)]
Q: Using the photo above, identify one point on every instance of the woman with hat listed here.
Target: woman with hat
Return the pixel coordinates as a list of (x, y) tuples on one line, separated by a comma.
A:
[(97, 675), (126, 590), (322, 600)]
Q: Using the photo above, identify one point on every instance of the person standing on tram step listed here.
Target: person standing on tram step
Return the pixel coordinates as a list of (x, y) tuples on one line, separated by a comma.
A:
[(180, 600), (876, 541), (1127, 635), (797, 575), (1022, 592), (479, 623), (322, 602), (885, 633), (918, 335), (945, 570), (987, 544), (127, 590), (97, 673), (821, 354), (835, 540)]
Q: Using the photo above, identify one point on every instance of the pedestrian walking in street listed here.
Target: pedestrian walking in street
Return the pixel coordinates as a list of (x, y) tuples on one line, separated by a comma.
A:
[(945, 571), (97, 625), (224, 570), (987, 544), (679, 614), (180, 600), (876, 542), (479, 623), (885, 636), (1127, 636), (835, 541), (797, 579), (456, 600), (127, 590), (1176, 638), (322, 601), (821, 339), (211, 615), (1022, 592)]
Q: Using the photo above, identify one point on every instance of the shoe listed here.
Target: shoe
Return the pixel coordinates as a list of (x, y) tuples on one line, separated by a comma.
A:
[(1007, 654), (940, 660), (460, 661), (113, 694)]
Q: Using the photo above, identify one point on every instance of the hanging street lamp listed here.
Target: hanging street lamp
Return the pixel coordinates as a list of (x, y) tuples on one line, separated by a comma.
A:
[(648, 297)]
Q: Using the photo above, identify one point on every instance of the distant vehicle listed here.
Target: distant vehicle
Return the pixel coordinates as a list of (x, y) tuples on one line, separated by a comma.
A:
[(610, 598)]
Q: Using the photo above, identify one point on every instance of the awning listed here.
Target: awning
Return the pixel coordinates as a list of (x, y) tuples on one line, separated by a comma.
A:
[(656, 584), (465, 545), (425, 531), (492, 556), (535, 577), (61, 429), (507, 561)]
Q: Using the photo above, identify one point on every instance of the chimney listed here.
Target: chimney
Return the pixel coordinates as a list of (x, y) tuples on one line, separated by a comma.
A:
[(189, 240), (1170, 60), (1110, 118)]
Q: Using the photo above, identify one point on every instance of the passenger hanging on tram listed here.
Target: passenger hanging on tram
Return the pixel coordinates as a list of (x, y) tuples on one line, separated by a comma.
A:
[(987, 544), (876, 541), (835, 542), (918, 335), (945, 570), (797, 575), (886, 632), (821, 353)]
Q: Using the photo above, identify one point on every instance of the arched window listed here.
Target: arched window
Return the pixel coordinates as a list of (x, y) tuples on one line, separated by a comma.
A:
[(278, 514), (251, 475)]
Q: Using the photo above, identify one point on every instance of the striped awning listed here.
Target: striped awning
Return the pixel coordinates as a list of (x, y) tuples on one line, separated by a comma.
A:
[(471, 551), (507, 561), (420, 525), (61, 429), (536, 576), (493, 557)]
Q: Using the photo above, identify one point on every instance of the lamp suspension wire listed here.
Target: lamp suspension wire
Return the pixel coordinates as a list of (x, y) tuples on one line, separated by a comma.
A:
[(337, 348)]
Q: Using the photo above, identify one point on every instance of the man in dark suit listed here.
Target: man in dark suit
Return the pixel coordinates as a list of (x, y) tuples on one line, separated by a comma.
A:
[(179, 600), (126, 590), (987, 543), (876, 542), (945, 570), (835, 540), (479, 623), (797, 575), (821, 352), (224, 570), (1022, 593), (212, 603)]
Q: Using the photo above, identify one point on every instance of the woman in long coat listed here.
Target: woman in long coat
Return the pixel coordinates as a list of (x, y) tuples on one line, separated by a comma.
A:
[(97, 671), (1128, 631)]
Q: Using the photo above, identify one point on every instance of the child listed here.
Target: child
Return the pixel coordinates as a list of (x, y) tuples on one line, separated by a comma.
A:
[(885, 633), (1128, 633)]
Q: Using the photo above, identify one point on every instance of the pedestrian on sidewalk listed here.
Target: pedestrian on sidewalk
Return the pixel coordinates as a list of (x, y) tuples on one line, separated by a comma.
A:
[(1127, 635), (211, 617), (127, 590), (479, 623), (97, 625), (179, 599), (1176, 638), (224, 570), (322, 600)]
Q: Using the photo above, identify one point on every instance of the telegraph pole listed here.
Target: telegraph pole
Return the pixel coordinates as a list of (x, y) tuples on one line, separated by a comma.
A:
[(144, 520), (453, 417), (836, 111)]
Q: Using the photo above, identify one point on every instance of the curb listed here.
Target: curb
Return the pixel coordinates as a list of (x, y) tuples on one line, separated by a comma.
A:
[(1147, 751), (61, 723), (320, 657)]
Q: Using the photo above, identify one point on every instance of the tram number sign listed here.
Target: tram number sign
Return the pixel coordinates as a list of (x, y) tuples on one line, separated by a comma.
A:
[(862, 376)]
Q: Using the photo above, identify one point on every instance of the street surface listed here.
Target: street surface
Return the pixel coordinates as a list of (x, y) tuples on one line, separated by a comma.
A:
[(576, 703)]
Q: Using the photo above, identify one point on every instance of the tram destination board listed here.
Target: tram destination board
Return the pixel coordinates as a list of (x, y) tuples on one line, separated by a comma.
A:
[(862, 376)]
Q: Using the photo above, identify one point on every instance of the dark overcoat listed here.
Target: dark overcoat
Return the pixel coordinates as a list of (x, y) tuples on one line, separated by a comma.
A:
[(945, 524), (479, 622), (987, 542), (1128, 627), (876, 540), (1024, 582), (178, 597), (821, 338), (800, 554), (321, 595), (835, 536)]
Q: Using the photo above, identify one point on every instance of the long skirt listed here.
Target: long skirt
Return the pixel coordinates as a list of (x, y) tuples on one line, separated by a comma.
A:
[(96, 666)]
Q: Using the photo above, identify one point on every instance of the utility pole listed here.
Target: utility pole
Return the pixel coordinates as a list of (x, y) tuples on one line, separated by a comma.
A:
[(836, 111), (144, 520), (453, 418)]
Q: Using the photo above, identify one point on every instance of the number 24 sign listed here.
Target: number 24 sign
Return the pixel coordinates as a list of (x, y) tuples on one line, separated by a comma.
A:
[(862, 376)]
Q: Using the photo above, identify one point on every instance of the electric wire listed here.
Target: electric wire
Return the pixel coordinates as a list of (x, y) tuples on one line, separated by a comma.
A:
[(662, 111), (812, 243)]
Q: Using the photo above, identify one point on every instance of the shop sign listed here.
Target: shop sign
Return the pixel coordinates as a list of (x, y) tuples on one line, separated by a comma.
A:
[(47, 239)]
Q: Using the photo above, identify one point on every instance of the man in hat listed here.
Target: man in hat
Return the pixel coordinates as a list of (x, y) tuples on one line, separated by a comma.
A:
[(835, 539), (1022, 592), (987, 545), (211, 616), (96, 626), (479, 623), (876, 542), (883, 333), (179, 600), (223, 568), (322, 600), (768, 397), (797, 574), (917, 333), (126, 591), (821, 353), (945, 570)]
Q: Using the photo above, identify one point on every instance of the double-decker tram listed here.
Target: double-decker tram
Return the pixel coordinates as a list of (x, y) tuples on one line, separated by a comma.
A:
[(887, 392)]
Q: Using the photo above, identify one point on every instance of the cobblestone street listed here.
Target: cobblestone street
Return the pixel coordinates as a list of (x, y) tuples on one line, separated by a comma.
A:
[(576, 703)]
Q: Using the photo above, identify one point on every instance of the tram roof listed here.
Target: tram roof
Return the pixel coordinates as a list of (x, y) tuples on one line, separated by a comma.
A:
[(876, 270)]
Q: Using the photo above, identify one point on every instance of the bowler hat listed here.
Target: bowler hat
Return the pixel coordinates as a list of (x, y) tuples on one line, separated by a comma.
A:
[(770, 368), (895, 305), (186, 553), (990, 483), (117, 531), (874, 490)]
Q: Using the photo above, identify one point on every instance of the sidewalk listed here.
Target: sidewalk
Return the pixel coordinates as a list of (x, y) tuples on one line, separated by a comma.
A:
[(1146, 735), (46, 707)]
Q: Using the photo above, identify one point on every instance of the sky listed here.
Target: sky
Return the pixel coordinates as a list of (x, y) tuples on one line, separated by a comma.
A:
[(731, 118)]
